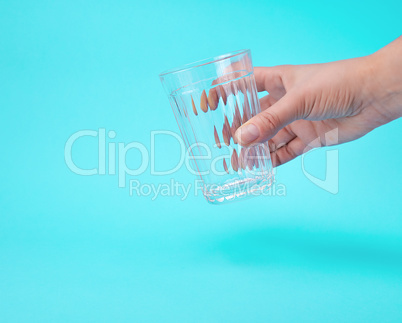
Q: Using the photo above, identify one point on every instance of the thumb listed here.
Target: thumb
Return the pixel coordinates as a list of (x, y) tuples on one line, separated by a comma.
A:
[(266, 124)]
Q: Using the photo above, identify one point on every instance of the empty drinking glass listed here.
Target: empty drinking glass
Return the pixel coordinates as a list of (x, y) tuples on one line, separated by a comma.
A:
[(211, 99)]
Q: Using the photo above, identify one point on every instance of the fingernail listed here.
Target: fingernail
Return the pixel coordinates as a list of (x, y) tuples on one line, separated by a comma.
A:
[(247, 134)]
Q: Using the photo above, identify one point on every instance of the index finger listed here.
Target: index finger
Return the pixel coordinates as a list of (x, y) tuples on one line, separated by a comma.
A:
[(270, 79)]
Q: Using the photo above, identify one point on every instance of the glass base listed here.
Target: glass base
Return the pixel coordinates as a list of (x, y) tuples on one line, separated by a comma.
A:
[(238, 190)]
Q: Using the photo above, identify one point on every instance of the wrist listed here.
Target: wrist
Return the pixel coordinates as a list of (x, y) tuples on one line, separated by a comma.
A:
[(382, 81)]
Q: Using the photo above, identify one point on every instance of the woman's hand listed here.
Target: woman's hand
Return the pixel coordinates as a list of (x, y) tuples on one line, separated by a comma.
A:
[(325, 104)]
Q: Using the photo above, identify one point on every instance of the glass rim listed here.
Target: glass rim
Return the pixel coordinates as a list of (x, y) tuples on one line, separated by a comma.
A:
[(203, 62)]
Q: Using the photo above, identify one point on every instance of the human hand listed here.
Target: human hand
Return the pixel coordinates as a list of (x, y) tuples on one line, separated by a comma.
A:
[(307, 102)]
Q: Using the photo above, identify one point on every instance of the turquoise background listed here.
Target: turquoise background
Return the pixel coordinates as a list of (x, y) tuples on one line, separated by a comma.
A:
[(79, 249)]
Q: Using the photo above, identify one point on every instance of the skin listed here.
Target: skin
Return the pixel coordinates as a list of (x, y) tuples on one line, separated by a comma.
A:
[(319, 105)]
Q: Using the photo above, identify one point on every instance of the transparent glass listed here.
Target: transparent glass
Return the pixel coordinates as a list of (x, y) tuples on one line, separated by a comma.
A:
[(211, 99)]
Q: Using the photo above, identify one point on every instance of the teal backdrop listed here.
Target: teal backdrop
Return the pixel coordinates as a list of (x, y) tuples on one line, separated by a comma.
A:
[(78, 248)]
